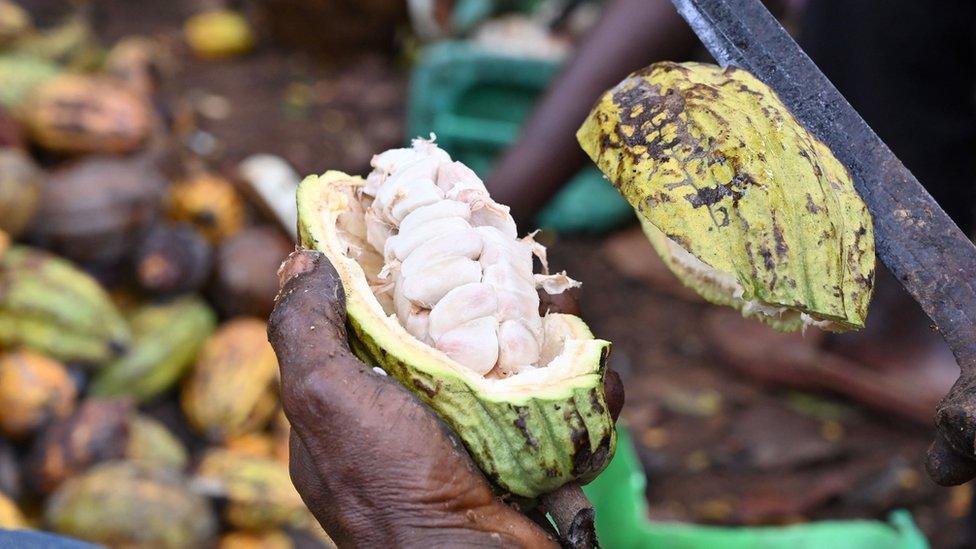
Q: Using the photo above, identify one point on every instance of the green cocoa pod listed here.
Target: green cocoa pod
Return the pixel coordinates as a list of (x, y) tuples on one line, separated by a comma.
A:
[(530, 432), (743, 204), (130, 504), (257, 492), (50, 306), (150, 441), (167, 338)]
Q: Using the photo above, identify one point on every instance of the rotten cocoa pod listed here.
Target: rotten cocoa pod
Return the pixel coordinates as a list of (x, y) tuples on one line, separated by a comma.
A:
[(20, 189), (173, 259), (34, 390), (245, 280), (98, 209), (86, 114), (98, 431)]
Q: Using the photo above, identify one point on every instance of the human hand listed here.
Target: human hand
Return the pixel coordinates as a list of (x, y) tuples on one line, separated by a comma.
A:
[(375, 465)]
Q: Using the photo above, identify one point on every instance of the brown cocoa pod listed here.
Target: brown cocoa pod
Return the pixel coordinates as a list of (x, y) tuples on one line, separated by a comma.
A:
[(20, 190), (231, 389), (98, 431), (87, 114), (173, 259), (34, 390), (97, 210), (211, 203), (133, 505), (245, 278)]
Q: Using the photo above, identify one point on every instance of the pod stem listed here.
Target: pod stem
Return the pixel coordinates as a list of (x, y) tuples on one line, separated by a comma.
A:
[(574, 516)]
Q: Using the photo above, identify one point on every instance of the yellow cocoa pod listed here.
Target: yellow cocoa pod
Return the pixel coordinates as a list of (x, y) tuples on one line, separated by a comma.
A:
[(218, 34), (10, 516), (132, 505), (86, 114), (258, 491), (231, 389), (209, 202), (252, 444), (34, 389), (275, 539)]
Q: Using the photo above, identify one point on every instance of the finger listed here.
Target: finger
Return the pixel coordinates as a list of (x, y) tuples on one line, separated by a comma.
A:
[(946, 466)]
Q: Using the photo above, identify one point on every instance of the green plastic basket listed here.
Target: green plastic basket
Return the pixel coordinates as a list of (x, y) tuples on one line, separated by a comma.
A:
[(475, 102), (621, 521)]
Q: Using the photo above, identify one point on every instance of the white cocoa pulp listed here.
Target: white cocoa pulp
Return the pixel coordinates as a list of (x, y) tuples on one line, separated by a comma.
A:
[(459, 278)]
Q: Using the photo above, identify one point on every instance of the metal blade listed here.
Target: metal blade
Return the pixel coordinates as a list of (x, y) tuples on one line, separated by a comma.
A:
[(918, 242)]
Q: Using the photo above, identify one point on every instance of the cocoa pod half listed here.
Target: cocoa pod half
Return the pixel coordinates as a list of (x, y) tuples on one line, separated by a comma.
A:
[(98, 431), (97, 210), (245, 278), (134, 505), (20, 190), (34, 390), (231, 389), (87, 114)]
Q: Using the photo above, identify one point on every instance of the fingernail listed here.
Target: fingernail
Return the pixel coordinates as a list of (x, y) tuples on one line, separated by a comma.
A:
[(297, 263)]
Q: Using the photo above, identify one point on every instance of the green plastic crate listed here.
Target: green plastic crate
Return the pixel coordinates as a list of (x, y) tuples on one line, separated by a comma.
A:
[(621, 521), (476, 101)]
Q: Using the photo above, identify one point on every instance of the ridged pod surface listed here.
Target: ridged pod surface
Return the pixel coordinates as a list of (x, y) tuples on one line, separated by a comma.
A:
[(531, 432), (167, 338), (258, 491), (744, 205), (130, 504), (86, 114), (34, 390), (48, 305), (231, 388)]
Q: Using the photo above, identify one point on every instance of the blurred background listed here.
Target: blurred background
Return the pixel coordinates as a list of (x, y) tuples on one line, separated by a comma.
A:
[(149, 153)]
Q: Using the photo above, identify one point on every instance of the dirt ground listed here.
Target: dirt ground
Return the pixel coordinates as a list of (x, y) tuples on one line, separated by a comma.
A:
[(718, 448)]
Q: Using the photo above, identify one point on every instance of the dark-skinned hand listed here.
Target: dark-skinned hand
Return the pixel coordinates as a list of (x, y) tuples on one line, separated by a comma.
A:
[(374, 465)]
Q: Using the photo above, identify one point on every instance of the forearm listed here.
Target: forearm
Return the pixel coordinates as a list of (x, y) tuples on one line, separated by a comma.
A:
[(631, 34)]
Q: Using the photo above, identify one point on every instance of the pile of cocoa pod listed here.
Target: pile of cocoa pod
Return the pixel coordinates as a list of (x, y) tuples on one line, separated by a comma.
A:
[(138, 392)]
